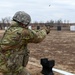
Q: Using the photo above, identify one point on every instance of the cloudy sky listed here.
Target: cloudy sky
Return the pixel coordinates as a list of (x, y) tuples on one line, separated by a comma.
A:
[(40, 10)]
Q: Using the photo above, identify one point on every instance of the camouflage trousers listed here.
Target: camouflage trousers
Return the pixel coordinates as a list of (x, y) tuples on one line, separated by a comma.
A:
[(11, 63), (24, 71)]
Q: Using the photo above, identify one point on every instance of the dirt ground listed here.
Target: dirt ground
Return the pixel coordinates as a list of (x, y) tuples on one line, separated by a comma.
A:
[(58, 46)]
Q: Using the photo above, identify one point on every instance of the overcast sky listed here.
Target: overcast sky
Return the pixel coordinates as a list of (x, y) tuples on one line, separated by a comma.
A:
[(40, 10)]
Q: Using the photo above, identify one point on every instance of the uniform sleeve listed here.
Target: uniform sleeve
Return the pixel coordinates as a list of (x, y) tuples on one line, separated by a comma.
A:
[(36, 36)]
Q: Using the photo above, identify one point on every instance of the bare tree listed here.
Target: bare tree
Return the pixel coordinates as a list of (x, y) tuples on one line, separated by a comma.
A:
[(59, 22), (5, 22), (50, 23)]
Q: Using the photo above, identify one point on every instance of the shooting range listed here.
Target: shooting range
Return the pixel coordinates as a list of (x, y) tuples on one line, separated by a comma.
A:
[(49, 53)]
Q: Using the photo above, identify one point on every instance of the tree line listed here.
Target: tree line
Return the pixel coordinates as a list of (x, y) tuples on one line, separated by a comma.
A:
[(5, 22)]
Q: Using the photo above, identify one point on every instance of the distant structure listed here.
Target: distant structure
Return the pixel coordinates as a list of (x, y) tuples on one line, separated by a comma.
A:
[(59, 28), (38, 27), (72, 28), (29, 27)]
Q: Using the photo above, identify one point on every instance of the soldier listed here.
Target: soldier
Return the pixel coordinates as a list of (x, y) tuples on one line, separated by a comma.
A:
[(14, 54)]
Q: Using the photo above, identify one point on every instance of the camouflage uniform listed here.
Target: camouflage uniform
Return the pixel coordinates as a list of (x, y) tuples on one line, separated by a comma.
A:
[(14, 54), (13, 49)]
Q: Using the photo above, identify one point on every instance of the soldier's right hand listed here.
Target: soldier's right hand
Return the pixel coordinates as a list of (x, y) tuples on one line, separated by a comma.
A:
[(47, 28)]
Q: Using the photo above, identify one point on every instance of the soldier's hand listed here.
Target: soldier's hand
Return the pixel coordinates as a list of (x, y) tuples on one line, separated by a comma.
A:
[(47, 28)]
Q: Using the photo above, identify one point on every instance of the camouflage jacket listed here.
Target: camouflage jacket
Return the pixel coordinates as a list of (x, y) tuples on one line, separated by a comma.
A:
[(14, 44), (16, 36)]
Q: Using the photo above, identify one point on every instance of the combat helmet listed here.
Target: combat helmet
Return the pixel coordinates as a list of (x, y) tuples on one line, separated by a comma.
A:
[(22, 17)]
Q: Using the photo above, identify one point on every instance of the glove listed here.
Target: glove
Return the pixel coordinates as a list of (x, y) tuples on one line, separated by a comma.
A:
[(47, 28)]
